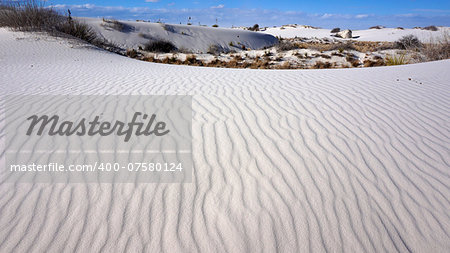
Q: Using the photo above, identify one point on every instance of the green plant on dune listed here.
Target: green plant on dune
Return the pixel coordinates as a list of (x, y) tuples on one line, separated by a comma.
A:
[(399, 59)]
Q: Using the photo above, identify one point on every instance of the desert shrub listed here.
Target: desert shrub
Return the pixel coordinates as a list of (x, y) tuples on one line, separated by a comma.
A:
[(437, 50), (430, 28), (324, 56), (408, 42), (322, 65), (132, 53), (160, 46), (374, 63), (400, 28), (113, 24), (400, 59), (168, 28), (216, 49), (79, 30), (190, 59), (377, 27), (286, 45), (255, 28), (353, 60), (260, 64), (285, 65), (336, 30), (268, 53), (215, 25), (29, 16)]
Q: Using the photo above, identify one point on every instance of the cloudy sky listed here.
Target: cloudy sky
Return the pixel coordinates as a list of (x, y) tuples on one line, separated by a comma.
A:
[(353, 14)]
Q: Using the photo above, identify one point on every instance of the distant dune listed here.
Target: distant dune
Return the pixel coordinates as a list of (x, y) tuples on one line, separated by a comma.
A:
[(190, 37), (384, 34)]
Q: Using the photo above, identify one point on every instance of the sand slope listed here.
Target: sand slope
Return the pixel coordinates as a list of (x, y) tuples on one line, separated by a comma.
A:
[(353, 160), (188, 37)]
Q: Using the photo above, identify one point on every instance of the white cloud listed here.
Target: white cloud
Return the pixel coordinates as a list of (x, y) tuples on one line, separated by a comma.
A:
[(361, 16), (220, 6), (151, 1)]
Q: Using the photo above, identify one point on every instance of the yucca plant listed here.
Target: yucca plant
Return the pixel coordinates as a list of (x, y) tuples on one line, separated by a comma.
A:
[(397, 59)]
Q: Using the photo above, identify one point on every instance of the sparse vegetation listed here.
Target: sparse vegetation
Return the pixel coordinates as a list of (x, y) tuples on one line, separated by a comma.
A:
[(113, 24), (255, 28), (430, 28), (286, 45), (410, 42), (395, 59), (132, 53), (322, 65), (336, 30), (216, 49), (160, 46), (374, 63), (438, 49), (32, 15), (289, 53)]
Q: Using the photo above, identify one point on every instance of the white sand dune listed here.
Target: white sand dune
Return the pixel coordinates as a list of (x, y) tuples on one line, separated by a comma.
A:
[(193, 38), (353, 160), (385, 34)]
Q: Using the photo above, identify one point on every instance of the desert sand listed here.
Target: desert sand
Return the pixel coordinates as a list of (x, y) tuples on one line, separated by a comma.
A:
[(384, 34), (191, 38), (341, 160)]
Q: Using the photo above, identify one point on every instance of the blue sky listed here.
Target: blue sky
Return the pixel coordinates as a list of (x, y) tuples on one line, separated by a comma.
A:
[(351, 14)]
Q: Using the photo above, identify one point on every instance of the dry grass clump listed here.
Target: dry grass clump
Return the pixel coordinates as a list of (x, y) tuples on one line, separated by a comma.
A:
[(160, 46), (322, 65), (371, 46), (260, 64), (392, 60), (437, 50), (132, 53), (286, 45), (29, 16), (216, 49), (113, 24), (32, 15), (377, 62), (360, 46), (285, 65), (324, 56), (353, 60)]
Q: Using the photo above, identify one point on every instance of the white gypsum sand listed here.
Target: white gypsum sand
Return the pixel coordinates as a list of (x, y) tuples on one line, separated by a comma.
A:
[(192, 38), (384, 34), (353, 160)]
